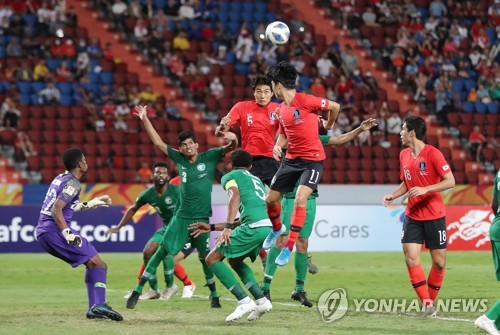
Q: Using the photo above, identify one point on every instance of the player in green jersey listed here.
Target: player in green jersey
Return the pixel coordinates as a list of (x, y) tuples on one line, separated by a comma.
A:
[(490, 322), (164, 198), (196, 172), (246, 194), (287, 203)]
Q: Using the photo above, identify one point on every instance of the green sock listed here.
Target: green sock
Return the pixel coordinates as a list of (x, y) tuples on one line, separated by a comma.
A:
[(209, 277), (228, 279), (270, 267), (300, 271), (247, 277), (153, 281), (150, 270), (168, 270), (494, 313)]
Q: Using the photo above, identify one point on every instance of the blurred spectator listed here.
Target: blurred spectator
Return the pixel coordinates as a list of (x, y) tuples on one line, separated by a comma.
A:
[(63, 73), (203, 64), (317, 88), (172, 8), (437, 9), (10, 115), (186, 11), (82, 64), (180, 41), (24, 73), (147, 95), (49, 95), (216, 88), (343, 122), (57, 24), (477, 142), (244, 46), (349, 60), (41, 72), (159, 21), (494, 89), (324, 66), (141, 33), (68, 49), (420, 86), (144, 173), (135, 9), (369, 17), (93, 49), (120, 95), (173, 112), (14, 49), (482, 94), (198, 87), (148, 9), (394, 123), (71, 18), (23, 146), (133, 95), (472, 95)]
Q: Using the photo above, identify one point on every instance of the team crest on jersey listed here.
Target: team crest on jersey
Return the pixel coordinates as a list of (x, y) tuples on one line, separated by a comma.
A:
[(200, 167), (296, 113), (422, 166), (168, 200), (273, 116)]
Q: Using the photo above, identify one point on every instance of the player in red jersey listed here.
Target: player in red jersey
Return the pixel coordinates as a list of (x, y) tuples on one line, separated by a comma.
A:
[(424, 174), (298, 117)]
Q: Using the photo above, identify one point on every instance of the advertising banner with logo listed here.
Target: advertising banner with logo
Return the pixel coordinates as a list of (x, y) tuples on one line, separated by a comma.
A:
[(468, 227), (17, 228)]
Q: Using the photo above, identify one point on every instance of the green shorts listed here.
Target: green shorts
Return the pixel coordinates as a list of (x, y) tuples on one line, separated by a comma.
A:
[(495, 249), (177, 235), (286, 216), (158, 235), (245, 241)]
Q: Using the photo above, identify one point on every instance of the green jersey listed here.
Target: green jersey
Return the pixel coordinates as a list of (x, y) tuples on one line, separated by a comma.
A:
[(252, 197), (291, 195), (496, 191), (165, 204), (196, 182)]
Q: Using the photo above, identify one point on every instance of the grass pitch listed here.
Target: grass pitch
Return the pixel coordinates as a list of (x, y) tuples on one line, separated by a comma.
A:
[(42, 295)]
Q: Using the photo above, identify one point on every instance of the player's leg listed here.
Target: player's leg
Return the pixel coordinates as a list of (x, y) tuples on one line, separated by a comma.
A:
[(202, 244), (181, 274), (488, 322), (150, 271), (435, 241), (148, 252), (301, 255), (412, 238)]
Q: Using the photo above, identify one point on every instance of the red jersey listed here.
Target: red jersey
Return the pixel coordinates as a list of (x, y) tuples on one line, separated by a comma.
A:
[(299, 123), (176, 181), (258, 126), (426, 169)]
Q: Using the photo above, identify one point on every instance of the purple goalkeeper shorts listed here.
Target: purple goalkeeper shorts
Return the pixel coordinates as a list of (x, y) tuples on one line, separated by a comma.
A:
[(55, 244)]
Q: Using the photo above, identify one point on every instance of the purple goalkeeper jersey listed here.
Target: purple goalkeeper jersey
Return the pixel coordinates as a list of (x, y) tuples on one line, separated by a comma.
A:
[(65, 187)]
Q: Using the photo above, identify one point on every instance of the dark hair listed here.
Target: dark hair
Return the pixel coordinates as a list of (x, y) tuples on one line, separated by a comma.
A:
[(284, 73), (417, 124), (259, 80), (160, 164), (241, 159), (184, 135), (71, 157)]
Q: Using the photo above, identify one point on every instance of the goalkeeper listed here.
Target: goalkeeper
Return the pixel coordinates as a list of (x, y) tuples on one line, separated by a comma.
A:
[(59, 240)]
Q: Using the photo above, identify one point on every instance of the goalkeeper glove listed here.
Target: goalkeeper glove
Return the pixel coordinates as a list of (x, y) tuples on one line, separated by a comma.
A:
[(101, 201), (71, 238)]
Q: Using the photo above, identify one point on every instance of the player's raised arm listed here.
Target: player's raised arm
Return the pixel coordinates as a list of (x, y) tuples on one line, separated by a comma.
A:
[(333, 113), (223, 126), (347, 137), (233, 142), (141, 112), (126, 218)]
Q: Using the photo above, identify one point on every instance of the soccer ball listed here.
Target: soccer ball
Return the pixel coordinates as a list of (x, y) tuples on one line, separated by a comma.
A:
[(277, 32)]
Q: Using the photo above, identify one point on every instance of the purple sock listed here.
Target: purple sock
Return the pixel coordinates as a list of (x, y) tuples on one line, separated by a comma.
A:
[(98, 278), (90, 288)]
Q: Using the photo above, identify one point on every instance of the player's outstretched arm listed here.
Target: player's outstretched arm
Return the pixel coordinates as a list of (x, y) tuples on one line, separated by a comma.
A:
[(233, 142), (347, 137), (401, 190), (100, 201), (333, 113), (126, 218), (223, 126), (199, 228), (141, 112)]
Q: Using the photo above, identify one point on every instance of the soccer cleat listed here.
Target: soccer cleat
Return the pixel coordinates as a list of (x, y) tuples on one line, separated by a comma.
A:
[(150, 295), (104, 311), (267, 294), (169, 292), (132, 300), (311, 267), (215, 302), (260, 310), (272, 237), (428, 311), (92, 315), (242, 309), (283, 257), (486, 324), (126, 296), (302, 297), (188, 291)]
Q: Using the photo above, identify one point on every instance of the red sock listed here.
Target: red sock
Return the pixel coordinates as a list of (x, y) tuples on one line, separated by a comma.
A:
[(417, 279), (180, 273), (274, 212), (141, 271), (434, 282), (263, 253), (296, 224)]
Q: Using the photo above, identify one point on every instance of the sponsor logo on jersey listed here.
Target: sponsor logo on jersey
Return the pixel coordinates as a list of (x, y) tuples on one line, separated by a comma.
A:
[(200, 167)]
